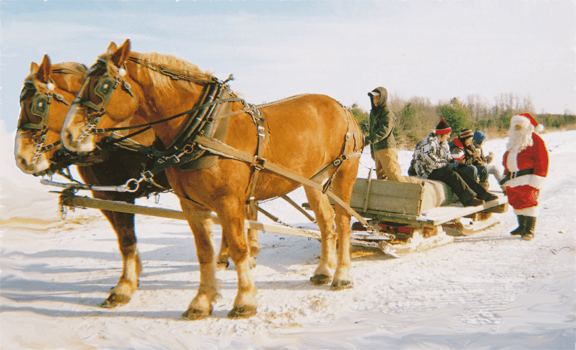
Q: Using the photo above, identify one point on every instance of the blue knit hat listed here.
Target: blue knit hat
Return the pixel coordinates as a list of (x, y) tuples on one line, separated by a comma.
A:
[(479, 136)]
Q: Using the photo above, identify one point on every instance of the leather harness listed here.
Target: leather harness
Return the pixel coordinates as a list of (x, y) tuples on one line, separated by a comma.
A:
[(197, 137)]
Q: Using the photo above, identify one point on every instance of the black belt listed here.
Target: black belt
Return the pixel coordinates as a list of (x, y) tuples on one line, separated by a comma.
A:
[(515, 174)]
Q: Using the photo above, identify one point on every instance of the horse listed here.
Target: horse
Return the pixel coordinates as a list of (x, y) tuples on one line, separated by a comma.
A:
[(45, 99), (310, 137)]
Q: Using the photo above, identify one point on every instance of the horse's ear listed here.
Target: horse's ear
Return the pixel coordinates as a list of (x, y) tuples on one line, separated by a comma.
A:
[(44, 70), (33, 67), (121, 55), (111, 48)]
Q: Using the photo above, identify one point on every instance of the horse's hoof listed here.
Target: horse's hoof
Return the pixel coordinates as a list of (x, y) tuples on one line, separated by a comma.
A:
[(320, 279), (115, 300), (195, 314), (339, 285), (242, 312)]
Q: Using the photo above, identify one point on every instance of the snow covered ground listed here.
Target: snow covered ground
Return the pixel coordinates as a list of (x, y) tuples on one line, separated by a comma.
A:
[(490, 291)]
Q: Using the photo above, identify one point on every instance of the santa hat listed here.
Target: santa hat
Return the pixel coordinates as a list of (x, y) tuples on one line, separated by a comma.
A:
[(526, 120), (465, 134), (443, 128)]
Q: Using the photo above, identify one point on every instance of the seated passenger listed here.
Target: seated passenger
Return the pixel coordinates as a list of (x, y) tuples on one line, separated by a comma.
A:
[(484, 161), (434, 161), (465, 154)]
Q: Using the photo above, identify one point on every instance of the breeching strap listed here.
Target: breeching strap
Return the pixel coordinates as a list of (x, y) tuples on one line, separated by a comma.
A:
[(221, 149)]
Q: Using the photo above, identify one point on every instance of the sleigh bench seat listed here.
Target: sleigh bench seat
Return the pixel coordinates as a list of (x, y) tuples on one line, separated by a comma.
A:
[(420, 205)]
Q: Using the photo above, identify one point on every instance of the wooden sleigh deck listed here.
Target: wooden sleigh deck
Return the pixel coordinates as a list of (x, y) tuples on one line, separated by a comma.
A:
[(420, 216)]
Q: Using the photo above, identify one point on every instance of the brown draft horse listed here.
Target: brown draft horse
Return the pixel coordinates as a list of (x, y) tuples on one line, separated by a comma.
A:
[(47, 94), (304, 134)]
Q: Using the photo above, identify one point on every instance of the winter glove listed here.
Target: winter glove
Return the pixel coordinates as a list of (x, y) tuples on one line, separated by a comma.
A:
[(490, 158)]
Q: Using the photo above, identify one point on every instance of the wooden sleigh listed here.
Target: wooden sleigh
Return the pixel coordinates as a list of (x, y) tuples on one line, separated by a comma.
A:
[(420, 216)]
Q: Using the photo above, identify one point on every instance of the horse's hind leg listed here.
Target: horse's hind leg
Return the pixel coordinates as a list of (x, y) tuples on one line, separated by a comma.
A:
[(123, 225), (201, 224), (325, 218), (252, 235), (223, 255), (253, 245), (342, 187)]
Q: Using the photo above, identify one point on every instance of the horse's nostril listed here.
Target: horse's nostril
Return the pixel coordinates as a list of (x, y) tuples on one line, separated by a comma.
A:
[(67, 136), (22, 162)]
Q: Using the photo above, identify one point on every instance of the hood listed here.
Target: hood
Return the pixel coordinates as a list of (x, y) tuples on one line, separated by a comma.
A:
[(383, 96)]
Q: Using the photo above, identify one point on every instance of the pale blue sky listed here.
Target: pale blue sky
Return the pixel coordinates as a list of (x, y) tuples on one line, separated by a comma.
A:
[(432, 49)]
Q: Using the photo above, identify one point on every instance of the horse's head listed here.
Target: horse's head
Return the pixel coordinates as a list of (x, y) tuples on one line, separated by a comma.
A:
[(105, 100), (45, 98)]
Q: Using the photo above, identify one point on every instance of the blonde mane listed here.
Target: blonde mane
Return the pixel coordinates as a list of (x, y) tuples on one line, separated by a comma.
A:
[(70, 68), (165, 83)]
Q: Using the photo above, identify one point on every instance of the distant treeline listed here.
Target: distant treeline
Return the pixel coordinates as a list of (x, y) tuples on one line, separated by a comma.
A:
[(417, 116)]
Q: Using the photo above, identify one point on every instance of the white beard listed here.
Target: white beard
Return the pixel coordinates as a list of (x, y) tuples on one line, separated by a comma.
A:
[(519, 140)]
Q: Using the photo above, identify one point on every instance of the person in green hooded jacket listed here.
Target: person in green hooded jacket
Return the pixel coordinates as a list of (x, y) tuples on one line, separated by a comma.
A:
[(381, 138)]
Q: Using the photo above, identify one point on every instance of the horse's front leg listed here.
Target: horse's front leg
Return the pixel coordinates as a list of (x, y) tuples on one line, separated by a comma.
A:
[(231, 218), (201, 224), (123, 225), (325, 219), (342, 187)]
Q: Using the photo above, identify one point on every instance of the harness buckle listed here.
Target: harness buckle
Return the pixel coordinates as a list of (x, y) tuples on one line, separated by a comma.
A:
[(261, 131), (259, 163), (147, 175)]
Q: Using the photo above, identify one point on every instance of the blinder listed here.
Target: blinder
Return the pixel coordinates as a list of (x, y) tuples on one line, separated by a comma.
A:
[(104, 88), (40, 106)]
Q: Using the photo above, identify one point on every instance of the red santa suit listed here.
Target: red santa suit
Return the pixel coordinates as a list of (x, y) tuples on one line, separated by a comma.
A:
[(526, 168)]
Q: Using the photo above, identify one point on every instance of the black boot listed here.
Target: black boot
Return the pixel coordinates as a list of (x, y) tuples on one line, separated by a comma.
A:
[(521, 226), (530, 228), (474, 202), (487, 196)]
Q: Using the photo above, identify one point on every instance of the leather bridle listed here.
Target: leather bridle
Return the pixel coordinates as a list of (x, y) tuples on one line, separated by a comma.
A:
[(104, 89), (40, 107)]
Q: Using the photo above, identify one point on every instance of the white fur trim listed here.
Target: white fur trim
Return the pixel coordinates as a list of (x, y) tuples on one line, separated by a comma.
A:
[(527, 212), (537, 181), (121, 72), (512, 161), (539, 128), (526, 180)]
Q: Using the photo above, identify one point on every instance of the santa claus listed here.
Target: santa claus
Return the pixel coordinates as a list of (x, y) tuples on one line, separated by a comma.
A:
[(526, 166)]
